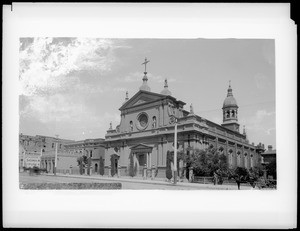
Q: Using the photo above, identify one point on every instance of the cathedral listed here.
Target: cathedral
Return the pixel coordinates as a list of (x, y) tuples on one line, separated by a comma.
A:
[(146, 133)]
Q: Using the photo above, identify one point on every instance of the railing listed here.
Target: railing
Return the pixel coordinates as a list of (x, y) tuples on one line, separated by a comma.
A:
[(203, 180), (210, 180), (63, 171)]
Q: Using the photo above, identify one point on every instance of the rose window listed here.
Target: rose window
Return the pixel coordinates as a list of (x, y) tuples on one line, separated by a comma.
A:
[(143, 120)]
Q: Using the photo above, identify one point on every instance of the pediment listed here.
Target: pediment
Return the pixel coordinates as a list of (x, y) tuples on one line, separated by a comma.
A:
[(140, 102), (142, 97), (141, 146)]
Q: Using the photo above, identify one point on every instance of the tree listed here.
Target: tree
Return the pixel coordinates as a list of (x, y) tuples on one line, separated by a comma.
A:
[(89, 165), (271, 169), (242, 175), (170, 159), (168, 169), (82, 163), (101, 166), (206, 162), (131, 165)]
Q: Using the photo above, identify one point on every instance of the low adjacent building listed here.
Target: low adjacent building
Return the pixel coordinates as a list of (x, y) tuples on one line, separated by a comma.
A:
[(269, 155), (91, 148), (46, 147), (68, 151)]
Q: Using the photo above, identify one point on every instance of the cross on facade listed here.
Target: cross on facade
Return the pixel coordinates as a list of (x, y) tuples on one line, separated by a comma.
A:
[(145, 63)]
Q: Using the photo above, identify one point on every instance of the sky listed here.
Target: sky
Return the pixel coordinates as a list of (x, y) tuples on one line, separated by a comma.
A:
[(74, 87)]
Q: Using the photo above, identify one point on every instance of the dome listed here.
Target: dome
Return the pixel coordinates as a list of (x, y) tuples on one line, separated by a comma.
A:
[(166, 91), (230, 100), (145, 86)]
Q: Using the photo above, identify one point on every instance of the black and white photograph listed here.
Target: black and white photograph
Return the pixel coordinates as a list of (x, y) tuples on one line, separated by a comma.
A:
[(124, 118), (119, 115)]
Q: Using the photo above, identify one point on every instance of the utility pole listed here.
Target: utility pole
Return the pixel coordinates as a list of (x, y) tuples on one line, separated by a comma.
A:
[(41, 158), (55, 163), (175, 152), (24, 156)]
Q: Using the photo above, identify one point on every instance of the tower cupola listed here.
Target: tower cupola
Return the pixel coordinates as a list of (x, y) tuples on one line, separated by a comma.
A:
[(230, 111)]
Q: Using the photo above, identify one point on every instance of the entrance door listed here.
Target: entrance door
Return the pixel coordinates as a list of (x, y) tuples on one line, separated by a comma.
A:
[(142, 161), (96, 168), (114, 165)]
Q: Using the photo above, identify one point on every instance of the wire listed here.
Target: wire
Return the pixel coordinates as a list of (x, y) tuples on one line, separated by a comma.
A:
[(242, 106)]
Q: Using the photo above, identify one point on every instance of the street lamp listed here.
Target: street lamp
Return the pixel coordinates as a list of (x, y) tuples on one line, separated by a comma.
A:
[(55, 163)]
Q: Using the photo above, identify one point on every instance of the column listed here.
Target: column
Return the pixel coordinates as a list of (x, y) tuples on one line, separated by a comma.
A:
[(150, 162), (149, 165), (147, 159), (145, 172), (109, 171), (152, 172)]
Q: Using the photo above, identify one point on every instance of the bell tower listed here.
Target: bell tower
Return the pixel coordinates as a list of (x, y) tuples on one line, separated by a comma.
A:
[(230, 111)]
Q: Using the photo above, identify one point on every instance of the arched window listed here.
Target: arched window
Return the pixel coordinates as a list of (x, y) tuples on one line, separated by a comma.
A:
[(221, 150), (246, 160), (228, 114), (251, 161), (154, 122), (91, 153), (131, 126), (238, 156), (233, 113), (230, 157)]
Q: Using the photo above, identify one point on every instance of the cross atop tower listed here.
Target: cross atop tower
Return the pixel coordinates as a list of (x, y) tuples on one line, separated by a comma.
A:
[(145, 63)]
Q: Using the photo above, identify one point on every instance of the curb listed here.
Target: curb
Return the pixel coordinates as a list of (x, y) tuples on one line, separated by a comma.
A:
[(182, 184)]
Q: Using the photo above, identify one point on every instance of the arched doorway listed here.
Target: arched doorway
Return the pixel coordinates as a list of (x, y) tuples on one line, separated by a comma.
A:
[(96, 168), (114, 164)]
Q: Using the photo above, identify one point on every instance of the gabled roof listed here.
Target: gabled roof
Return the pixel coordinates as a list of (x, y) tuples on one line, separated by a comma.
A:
[(142, 97)]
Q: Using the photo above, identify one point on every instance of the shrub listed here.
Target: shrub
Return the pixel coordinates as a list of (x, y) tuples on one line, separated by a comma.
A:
[(168, 169), (89, 165), (80, 166), (131, 165), (135, 169), (101, 166), (271, 169)]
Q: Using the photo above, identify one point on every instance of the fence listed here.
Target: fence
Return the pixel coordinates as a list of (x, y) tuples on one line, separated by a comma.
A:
[(209, 180), (203, 180)]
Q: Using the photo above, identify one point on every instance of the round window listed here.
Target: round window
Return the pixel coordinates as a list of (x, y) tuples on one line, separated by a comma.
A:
[(143, 119)]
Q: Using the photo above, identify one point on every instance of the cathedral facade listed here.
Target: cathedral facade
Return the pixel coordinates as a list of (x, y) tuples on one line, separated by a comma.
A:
[(146, 133)]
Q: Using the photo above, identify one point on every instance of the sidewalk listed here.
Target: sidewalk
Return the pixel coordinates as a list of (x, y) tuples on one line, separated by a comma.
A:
[(157, 181)]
